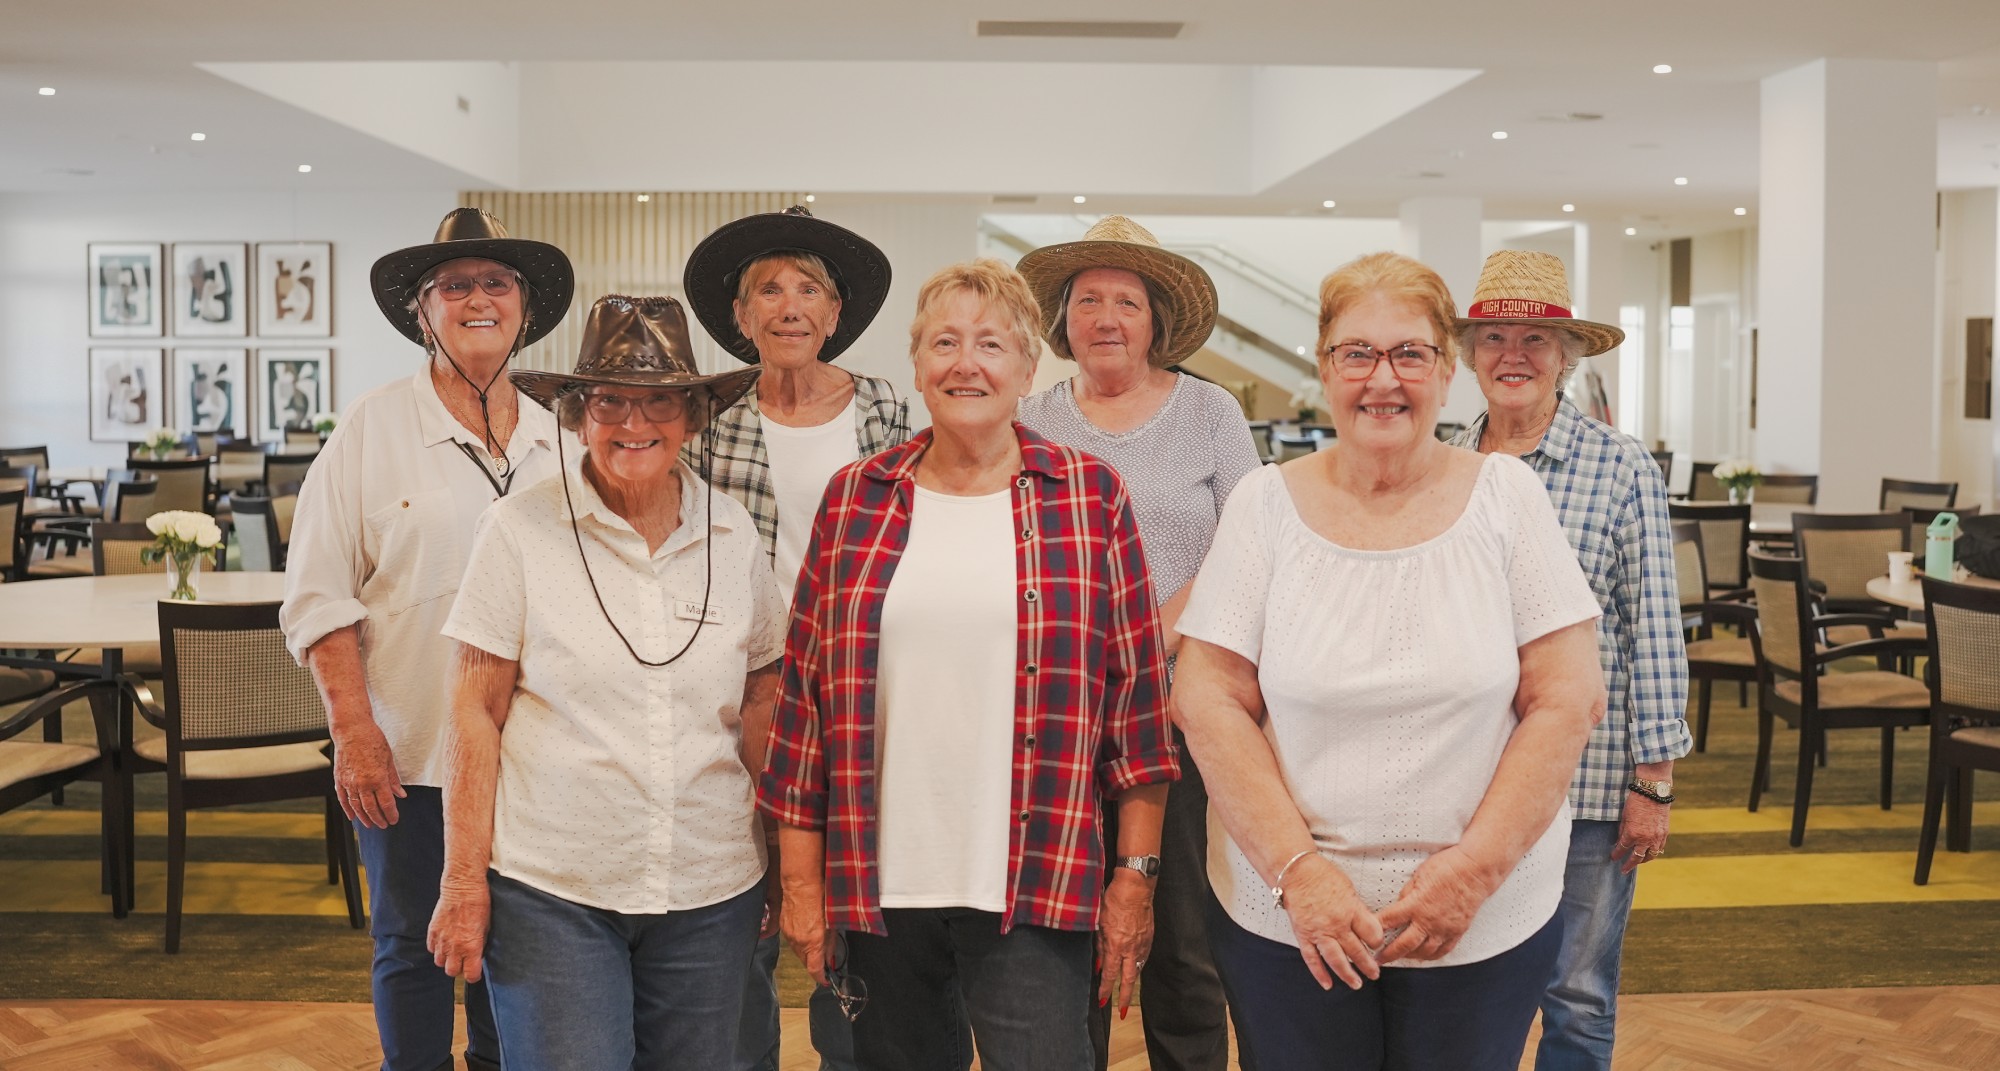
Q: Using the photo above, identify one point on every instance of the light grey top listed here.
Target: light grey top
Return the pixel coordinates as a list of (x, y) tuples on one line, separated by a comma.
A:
[(1179, 467)]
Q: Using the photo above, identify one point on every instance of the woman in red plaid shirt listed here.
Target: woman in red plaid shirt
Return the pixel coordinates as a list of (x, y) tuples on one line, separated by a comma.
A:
[(974, 658)]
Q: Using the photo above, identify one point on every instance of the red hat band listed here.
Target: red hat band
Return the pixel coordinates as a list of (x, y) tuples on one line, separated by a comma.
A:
[(1517, 309)]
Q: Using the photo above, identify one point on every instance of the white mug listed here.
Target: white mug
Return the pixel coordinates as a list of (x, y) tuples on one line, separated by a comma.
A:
[(1900, 569)]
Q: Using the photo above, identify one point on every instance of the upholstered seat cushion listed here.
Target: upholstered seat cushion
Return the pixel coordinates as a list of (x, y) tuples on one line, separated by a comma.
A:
[(240, 762), (18, 684), (1840, 635), (1730, 652), (21, 760), (1870, 688), (1979, 736), (77, 564)]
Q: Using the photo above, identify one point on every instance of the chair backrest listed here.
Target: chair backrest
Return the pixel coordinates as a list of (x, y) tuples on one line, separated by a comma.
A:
[(23, 456), (301, 440), (1260, 437), (205, 442), (18, 478), (1690, 571), (10, 531), (1965, 650), (284, 472), (1920, 524), (115, 549), (239, 464), (1665, 460), (1447, 430), (282, 508), (1784, 614), (1725, 538), (1844, 551), (130, 501), (1703, 486), (1285, 445), (229, 680), (183, 484), (1788, 487), (1917, 494), (256, 533)]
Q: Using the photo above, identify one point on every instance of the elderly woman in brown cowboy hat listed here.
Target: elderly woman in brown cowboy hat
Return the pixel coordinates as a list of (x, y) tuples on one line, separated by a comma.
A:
[(788, 293), (618, 633), (1127, 311), (1520, 338), (378, 543)]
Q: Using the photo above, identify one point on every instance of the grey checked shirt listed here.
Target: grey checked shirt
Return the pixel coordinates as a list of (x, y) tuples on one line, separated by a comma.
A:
[(1613, 506)]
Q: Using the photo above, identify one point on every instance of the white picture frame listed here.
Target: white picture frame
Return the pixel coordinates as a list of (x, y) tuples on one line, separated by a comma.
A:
[(211, 289), (126, 392), (290, 384), (211, 390), (294, 289), (123, 290)]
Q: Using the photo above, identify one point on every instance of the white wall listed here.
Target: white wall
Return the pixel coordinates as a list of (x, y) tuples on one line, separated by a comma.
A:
[(44, 337), (1968, 283)]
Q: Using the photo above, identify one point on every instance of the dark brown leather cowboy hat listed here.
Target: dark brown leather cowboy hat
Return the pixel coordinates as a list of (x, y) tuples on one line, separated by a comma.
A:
[(636, 342), (860, 270), (470, 232)]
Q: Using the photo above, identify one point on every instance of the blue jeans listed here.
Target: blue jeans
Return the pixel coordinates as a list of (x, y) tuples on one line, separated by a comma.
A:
[(414, 998), (1580, 1009), (1472, 1017), (941, 977), (757, 1038), (580, 988)]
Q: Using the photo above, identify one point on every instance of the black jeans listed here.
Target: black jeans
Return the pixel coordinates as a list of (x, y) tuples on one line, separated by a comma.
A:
[(943, 977)]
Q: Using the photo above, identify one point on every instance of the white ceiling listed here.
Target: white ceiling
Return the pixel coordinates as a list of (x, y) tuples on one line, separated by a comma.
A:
[(129, 91)]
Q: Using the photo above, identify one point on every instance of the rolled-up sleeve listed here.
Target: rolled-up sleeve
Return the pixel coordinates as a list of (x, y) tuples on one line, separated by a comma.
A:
[(1138, 741), (490, 611), (792, 788), (326, 563), (1657, 660)]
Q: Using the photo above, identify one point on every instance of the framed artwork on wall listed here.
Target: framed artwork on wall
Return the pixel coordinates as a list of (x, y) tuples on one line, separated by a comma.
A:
[(211, 390), (127, 394), (295, 289), (211, 288), (290, 387), (125, 281)]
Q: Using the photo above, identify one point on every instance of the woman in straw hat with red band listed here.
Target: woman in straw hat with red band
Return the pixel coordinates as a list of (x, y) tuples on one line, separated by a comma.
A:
[(1127, 311), (1387, 673), (618, 635), (378, 544), (1521, 339)]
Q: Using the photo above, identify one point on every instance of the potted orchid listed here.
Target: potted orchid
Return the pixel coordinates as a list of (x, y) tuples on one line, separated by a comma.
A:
[(183, 538), (1309, 399), (1739, 477), (159, 442), (324, 423)]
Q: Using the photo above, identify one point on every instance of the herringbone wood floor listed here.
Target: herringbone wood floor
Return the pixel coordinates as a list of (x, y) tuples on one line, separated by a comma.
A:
[(1821, 1030)]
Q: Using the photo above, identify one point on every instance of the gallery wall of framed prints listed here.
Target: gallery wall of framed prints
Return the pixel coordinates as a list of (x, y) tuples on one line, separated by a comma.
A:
[(204, 309)]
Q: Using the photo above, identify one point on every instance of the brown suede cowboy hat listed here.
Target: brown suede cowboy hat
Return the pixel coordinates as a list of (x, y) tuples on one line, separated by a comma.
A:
[(636, 342)]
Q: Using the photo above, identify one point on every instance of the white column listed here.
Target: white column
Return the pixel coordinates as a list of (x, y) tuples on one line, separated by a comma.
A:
[(1443, 232), (1847, 275), (1597, 290)]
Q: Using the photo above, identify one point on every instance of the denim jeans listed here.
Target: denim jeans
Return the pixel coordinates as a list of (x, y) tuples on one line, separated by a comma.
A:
[(1580, 1009), (757, 1038), (414, 999), (1472, 1017), (943, 977), (580, 988)]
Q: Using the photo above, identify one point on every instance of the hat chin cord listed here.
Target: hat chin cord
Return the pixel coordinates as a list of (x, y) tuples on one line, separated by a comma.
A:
[(491, 441)]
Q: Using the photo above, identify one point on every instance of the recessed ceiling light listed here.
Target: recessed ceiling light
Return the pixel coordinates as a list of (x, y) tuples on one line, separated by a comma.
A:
[(1326, 204), (304, 168), (1499, 135), (1569, 208), (645, 198), (1742, 211), (1302, 351), (197, 136), (809, 198), (47, 91), (1630, 231), (1682, 181), (1663, 68), (1079, 199)]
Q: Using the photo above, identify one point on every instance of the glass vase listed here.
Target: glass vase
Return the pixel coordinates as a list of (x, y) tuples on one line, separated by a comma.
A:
[(1738, 494), (183, 575)]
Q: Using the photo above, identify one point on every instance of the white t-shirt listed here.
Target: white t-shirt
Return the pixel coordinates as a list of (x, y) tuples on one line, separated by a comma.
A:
[(945, 706), (621, 786), (1388, 678), (802, 461)]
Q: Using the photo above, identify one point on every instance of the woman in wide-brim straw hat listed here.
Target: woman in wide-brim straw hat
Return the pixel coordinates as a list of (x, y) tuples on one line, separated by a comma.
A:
[(1522, 341), (1126, 311), (618, 635), (789, 292), (378, 542)]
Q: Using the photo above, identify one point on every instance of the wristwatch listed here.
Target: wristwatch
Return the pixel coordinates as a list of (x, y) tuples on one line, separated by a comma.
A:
[(1146, 865), (1657, 791)]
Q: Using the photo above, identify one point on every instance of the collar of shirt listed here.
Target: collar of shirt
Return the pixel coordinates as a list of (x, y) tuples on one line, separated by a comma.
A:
[(1038, 456), (1558, 443), (533, 425), (591, 507)]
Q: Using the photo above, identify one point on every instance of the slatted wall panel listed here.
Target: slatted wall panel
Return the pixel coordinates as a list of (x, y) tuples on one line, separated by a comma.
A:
[(621, 245)]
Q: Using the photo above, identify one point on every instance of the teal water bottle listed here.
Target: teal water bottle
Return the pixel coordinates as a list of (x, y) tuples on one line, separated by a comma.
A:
[(1938, 540)]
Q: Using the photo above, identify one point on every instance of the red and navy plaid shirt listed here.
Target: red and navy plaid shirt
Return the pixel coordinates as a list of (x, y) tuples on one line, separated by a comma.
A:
[(1090, 687)]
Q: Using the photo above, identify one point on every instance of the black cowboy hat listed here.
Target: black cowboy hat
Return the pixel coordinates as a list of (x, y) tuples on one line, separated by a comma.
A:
[(636, 342), (471, 232), (860, 270)]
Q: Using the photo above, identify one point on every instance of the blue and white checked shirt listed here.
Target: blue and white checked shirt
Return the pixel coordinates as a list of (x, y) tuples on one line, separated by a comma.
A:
[(1613, 506)]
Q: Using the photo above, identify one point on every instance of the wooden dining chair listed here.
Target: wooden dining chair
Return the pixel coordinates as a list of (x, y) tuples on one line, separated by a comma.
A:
[(1725, 541), (242, 723), (284, 473), (258, 546), (1965, 709), (302, 440), (1844, 551), (1710, 657), (1665, 460), (32, 769), (1917, 494), (1702, 484), (1260, 437), (1788, 488), (239, 466), (1286, 445), (1793, 686), (183, 484)]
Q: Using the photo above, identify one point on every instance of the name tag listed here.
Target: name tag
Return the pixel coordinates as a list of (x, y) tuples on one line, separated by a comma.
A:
[(691, 611)]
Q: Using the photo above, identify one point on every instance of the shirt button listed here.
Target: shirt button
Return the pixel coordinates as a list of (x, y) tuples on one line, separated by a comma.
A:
[(1027, 533), (1021, 482), (1029, 740), (406, 503), (1031, 668), (1032, 595), (1024, 816)]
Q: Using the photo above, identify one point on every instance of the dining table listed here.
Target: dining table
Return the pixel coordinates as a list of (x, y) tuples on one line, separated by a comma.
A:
[(1909, 594), (1773, 521)]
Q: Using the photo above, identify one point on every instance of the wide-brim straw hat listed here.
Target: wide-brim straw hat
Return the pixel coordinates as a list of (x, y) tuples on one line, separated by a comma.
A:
[(1118, 242), (471, 232), (860, 271), (637, 342), (1520, 287)]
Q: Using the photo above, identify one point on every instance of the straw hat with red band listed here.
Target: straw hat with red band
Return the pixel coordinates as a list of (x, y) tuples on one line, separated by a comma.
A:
[(1520, 288)]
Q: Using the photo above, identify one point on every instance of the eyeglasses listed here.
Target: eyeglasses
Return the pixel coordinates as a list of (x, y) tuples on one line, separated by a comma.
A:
[(616, 408), (459, 287), (851, 992), (1410, 361)]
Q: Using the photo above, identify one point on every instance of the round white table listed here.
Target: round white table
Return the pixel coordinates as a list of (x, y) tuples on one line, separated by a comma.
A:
[(1774, 519), (112, 612), (1909, 594)]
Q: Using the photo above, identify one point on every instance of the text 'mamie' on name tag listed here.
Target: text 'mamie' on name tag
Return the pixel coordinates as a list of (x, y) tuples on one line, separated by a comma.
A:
[(685, 610)]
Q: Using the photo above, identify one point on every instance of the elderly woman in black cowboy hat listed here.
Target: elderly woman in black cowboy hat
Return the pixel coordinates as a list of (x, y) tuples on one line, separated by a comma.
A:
[(378, 543), (1127, 311), (618, 635), (789, 293)]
